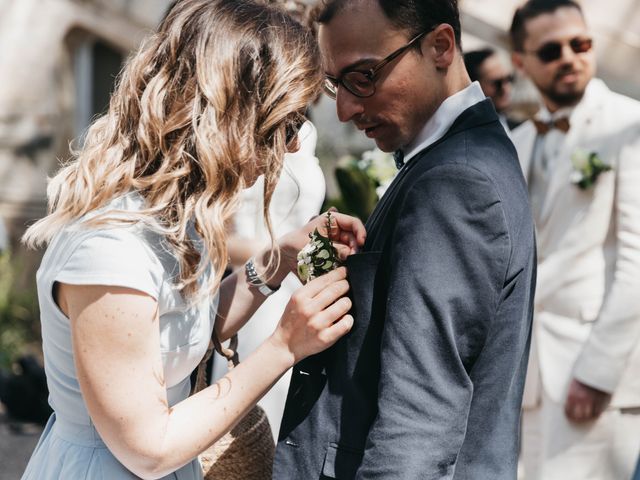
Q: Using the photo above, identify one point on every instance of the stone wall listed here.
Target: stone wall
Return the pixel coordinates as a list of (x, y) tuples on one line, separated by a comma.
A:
[(42, 86)]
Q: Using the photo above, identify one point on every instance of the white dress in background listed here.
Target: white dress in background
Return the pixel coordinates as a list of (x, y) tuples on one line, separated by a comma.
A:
[(4, 237), (297, 197), (70, 446)]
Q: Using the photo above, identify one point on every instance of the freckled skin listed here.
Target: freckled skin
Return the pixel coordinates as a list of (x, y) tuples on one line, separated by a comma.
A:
[(116, 340)]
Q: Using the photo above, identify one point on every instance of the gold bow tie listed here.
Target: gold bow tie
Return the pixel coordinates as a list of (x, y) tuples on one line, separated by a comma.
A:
[(561, 124)]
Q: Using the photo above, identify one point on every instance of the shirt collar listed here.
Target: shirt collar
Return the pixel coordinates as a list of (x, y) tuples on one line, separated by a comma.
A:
[(443, 118)]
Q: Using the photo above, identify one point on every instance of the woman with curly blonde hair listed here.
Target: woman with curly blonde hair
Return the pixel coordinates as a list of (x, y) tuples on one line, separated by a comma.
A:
[(130, 286)]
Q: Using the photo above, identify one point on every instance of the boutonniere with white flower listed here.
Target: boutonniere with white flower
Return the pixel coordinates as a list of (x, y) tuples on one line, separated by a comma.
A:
[(380, 167), (319, 256), (587, 167)]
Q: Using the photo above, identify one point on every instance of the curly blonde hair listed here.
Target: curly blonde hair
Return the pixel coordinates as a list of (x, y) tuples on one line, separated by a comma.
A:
[(200, 111)]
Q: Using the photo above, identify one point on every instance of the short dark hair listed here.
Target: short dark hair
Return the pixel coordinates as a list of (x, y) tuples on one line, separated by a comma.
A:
[(532, 9), (474, 59), (411, 15)]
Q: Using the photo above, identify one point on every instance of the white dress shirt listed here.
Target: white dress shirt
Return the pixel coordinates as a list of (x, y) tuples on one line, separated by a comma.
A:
[(545, 158), (443, 118)]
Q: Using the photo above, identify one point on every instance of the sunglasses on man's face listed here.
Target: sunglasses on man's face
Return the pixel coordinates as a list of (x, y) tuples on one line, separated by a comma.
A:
[(499, 83), (552, 51)]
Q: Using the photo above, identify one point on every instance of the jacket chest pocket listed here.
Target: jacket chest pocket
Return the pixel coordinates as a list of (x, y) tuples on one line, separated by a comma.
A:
[(341, 462)]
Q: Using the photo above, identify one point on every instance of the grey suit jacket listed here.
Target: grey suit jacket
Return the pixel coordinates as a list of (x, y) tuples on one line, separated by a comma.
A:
[(428, 384)]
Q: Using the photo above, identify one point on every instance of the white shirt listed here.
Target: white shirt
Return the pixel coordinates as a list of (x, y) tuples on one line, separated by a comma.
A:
[(443, 118), (545, 158), (4, 237)]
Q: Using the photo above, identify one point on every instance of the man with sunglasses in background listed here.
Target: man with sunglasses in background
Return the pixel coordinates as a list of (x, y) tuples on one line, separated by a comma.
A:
[(487, 68), (429, 382), (581, 155)]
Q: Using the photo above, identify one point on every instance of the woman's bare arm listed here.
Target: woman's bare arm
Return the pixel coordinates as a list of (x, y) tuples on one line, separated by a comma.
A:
[(239, 300), (116, 347)]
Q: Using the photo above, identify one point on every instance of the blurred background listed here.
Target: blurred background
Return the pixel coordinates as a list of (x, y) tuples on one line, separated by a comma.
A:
[(58, 63)]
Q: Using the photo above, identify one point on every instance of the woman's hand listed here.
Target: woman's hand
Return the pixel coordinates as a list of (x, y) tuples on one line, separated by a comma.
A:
[(347, 234), (315, 317)]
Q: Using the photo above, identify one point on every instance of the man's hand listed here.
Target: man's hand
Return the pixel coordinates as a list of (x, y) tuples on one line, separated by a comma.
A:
[(585, 403)]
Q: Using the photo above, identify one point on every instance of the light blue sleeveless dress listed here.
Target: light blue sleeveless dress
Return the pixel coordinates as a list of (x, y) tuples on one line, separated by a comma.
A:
[(70, 447)]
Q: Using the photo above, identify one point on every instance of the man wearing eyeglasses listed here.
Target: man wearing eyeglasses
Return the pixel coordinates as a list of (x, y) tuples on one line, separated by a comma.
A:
[(487, 68), (428, 384), (581, 155)]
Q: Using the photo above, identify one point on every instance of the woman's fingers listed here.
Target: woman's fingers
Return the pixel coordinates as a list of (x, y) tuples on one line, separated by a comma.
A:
[(339, 329), (343, 251), (316, 315), (330, 295), (334, 312), (351, 226), (315, 286), (344, 228)]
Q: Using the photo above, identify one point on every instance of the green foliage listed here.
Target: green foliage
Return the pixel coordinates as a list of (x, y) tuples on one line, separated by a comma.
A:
[(358, 190), (587, 167), (362, 180), (19, 312)]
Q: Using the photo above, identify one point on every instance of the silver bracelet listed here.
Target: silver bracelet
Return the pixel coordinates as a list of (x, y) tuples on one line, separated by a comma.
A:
[(255, 281)]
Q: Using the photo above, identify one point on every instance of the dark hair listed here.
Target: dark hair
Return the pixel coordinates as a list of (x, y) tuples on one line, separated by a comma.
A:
[(474, 59), (532, 9), (412, 15)]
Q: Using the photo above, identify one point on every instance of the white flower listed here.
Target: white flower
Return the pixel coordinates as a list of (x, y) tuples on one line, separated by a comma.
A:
[(304, 271), (317, 257), (580, 159), (324, 254), (576, 177), (379, 165), (587, 167)]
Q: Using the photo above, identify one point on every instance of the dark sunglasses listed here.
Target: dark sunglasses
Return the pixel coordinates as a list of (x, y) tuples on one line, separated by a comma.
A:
[(362, 83), (499, 83), (552, 51)]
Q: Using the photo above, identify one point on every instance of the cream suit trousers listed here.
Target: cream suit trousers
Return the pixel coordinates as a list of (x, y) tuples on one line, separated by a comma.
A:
[(553, 448)]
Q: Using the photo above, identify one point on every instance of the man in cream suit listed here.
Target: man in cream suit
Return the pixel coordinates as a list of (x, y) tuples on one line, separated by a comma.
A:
[(582, 397)]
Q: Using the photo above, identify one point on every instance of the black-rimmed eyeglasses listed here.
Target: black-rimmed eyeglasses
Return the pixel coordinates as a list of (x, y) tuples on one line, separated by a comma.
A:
[(362, 83)]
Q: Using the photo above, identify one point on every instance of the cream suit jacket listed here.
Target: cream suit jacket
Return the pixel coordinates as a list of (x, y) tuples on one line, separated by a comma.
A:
[(587, 320)]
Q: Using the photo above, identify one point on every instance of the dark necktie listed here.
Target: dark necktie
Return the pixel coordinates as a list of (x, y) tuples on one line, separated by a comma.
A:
[(543, 128), (398, 157)]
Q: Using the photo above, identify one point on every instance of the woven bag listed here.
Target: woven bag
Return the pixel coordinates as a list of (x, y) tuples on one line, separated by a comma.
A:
[(246, 452)]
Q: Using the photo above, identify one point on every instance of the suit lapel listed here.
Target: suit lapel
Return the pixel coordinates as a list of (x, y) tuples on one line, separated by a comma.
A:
[(583, 126), (524, 140), (560, 178)]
